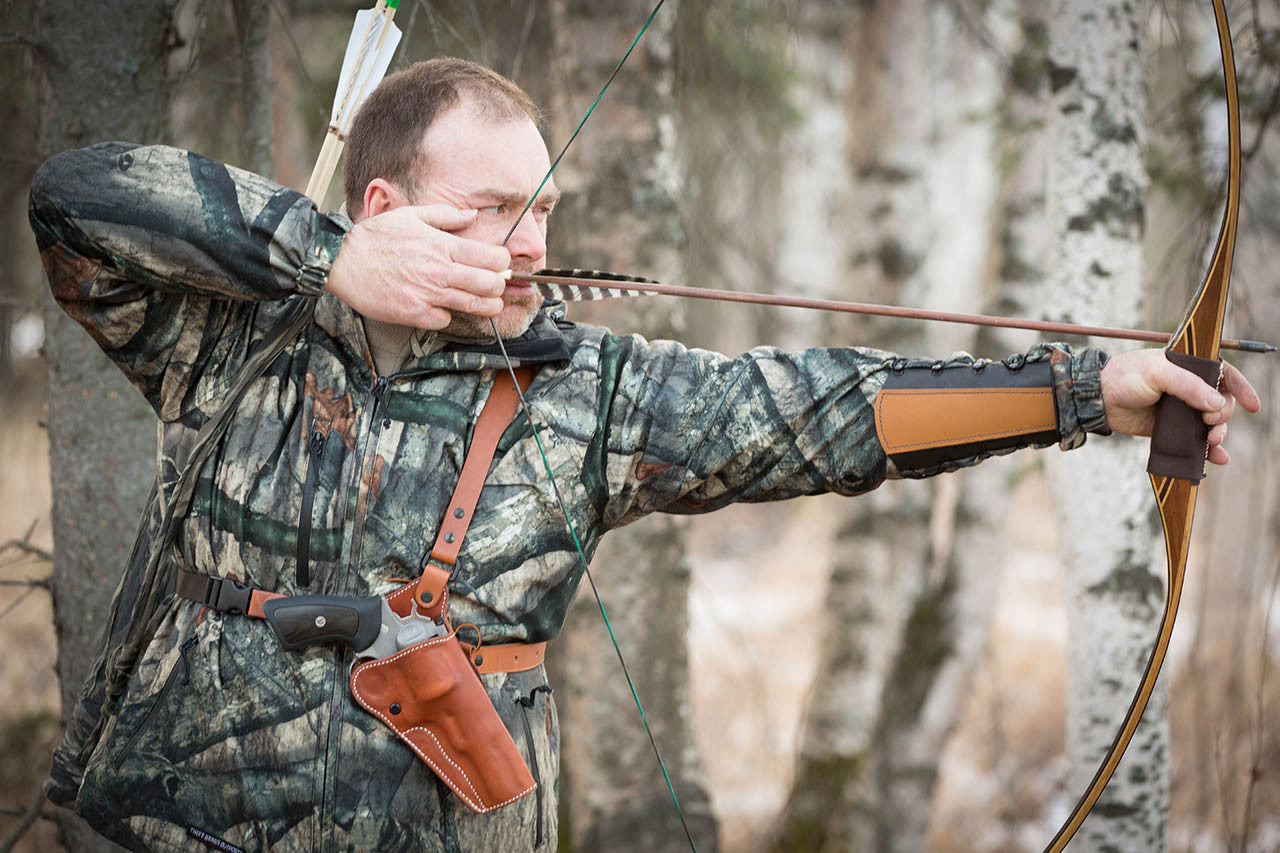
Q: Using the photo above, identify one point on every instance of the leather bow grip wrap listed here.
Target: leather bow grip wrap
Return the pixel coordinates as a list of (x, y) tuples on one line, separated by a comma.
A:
[(432, 698), (1180, 437)]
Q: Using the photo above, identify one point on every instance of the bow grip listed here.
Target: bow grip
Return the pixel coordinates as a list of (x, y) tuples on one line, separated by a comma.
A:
[(1180, 437)]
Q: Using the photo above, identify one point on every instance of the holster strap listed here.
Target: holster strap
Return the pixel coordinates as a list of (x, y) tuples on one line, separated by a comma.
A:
[(494, 418), (508, 657), (230, 596)]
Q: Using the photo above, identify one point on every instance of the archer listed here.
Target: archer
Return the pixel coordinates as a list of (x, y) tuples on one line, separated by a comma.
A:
[(324, 386)]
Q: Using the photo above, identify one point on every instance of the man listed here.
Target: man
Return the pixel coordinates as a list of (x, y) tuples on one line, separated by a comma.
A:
[(335, 471)]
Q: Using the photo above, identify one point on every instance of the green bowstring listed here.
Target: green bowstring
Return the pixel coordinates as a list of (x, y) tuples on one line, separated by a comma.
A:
[(528, 412)]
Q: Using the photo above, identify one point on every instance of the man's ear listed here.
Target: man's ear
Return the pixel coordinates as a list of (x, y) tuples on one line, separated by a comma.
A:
[(380, 196)]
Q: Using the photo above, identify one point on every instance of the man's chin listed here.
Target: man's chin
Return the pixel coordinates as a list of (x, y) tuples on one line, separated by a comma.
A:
[(517, 314)]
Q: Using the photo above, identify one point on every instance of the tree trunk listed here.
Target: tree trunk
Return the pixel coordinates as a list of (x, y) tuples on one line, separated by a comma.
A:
[(1115, 571), (102, 76), (906, 611), (257, 137), (622, 181)]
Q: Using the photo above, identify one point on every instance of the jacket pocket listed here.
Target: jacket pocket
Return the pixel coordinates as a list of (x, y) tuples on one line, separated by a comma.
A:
[(181, 667)]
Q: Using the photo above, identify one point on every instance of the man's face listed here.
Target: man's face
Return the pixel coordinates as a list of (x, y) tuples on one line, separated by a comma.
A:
[(493, 167)]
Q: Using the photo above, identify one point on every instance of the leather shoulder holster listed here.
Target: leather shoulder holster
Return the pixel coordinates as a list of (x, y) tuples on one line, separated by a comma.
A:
[(430, 694)]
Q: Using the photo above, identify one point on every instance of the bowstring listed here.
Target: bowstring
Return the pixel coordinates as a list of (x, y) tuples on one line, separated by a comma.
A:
[(528, 413)]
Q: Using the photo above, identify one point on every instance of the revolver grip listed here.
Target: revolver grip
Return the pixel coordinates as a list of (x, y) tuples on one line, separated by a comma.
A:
[(305, 620)]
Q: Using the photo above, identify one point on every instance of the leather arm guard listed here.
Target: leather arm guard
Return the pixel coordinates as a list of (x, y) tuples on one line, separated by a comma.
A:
[(928, 416)]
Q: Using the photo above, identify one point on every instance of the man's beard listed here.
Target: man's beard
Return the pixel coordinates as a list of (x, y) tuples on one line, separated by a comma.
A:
[(518, 312)]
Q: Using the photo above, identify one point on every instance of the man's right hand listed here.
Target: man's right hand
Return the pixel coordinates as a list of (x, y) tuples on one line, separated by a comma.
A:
[(405, 267)]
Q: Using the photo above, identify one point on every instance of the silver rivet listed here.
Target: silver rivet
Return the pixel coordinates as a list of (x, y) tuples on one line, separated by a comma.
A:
[(320, 621)]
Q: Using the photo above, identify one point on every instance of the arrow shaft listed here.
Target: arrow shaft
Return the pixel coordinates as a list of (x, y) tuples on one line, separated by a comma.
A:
[(877, 310)]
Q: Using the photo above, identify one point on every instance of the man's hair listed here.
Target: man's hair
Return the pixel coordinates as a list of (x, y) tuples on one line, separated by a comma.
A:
[(385, 140)]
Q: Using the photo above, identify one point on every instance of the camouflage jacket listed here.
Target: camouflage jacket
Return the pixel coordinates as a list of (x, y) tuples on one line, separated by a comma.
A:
[(179, 266)]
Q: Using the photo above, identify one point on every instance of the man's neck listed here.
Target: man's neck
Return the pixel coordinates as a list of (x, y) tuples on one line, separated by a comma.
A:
[(392, 345)]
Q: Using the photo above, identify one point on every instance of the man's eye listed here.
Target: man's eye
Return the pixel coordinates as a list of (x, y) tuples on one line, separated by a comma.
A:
[(494, 210)]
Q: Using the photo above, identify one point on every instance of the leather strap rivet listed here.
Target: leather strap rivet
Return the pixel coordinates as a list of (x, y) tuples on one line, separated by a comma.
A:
[(459, 512), (395, 708), (479, 660), (426, 597), (448, 537)]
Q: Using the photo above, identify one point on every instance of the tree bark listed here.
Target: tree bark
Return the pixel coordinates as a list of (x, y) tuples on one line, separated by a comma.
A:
[(102, 76), (621, 185), (1115, 566), (906, 615), (257, 136)]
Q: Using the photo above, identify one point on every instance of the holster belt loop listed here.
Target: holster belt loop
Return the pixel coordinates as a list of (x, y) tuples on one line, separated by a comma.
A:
[(507, 657)]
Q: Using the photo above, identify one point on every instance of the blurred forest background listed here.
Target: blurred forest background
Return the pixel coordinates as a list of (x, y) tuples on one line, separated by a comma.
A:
[(935, 666)]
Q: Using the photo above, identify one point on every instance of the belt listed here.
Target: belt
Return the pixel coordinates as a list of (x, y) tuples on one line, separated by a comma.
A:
[(230, 596)]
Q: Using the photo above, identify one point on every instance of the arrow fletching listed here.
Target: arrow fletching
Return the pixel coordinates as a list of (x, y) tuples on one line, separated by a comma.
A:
[(581, 291), (373, 42)]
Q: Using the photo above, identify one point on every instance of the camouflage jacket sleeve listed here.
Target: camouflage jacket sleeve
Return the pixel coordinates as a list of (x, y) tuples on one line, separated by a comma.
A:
[(173, 262), (692, 431)]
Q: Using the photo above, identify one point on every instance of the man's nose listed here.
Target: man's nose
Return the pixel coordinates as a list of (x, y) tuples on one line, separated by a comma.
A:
[(528, 240)]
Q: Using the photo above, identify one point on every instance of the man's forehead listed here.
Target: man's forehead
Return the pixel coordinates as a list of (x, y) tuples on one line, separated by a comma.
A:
[(466, 138)]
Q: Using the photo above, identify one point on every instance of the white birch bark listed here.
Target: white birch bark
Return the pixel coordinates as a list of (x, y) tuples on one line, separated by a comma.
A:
[(1115, 566), (907, 607)]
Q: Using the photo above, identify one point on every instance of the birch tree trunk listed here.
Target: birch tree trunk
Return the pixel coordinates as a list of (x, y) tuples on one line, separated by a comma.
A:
[(1115, 570), (621, 185), (907, 607), (102, 75)]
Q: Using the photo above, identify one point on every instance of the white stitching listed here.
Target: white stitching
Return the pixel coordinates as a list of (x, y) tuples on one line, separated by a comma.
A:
[(479, 805)]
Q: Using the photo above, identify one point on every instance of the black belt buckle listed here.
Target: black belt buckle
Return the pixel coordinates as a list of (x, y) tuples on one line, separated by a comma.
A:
[(228, 595)]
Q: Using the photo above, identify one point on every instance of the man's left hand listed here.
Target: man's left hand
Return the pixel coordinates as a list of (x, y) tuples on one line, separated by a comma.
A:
[(1132, 382)]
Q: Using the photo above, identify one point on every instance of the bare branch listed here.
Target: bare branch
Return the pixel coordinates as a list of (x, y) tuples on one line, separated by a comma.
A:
[(29, 817), (42, 583), (27, 548)]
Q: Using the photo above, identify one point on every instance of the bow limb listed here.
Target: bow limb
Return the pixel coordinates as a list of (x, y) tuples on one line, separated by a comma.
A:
[(1180, 440)]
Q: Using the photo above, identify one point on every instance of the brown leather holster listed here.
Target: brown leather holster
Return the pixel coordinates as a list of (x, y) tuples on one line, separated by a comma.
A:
[(432, 698), (430, 694)]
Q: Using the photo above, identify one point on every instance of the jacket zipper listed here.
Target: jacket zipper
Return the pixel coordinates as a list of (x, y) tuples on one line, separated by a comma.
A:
[(340, 696), (526, 704), (127, 749), (376, 418), (315, 451)]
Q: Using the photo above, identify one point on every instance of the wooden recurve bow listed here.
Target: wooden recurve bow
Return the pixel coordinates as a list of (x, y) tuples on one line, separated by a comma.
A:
[(1180, 440)]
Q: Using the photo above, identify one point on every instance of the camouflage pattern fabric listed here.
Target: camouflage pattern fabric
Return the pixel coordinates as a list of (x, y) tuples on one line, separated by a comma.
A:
[(178, 266)]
